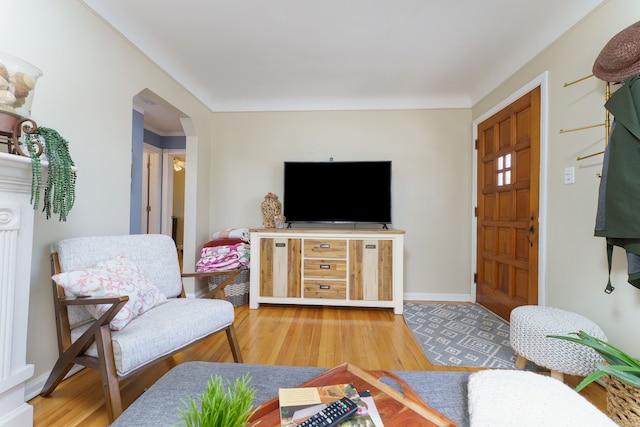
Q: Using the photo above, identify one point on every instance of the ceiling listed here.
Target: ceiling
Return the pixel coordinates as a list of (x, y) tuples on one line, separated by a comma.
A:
[(284, 55)]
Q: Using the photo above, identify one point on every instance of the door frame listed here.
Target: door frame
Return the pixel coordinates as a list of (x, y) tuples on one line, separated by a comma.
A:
[(154, 192), (543, 81), (167, 184)]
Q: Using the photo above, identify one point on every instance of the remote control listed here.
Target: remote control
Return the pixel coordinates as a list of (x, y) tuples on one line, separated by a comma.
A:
[(333, 414)]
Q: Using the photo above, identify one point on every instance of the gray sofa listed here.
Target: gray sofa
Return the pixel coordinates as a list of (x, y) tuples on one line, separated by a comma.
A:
[(488, 398), (160, 405)]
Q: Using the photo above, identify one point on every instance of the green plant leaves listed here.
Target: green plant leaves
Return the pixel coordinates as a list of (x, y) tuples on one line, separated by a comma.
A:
[(619, 364), (219, 407), (59, 192), (36, 172)]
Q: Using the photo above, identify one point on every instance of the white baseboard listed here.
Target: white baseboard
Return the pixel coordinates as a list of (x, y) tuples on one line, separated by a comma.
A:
[(198, 294), (33, 387), (20, 416), (419, 296)]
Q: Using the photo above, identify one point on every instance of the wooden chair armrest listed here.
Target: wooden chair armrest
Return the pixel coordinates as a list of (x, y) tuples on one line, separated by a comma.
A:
[(116, 305), (218, 291), (92, 300)]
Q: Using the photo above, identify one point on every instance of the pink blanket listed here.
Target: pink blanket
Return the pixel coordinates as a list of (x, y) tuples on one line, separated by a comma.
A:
[(225, 249), (225, 257), (223, 262), (232, 233)]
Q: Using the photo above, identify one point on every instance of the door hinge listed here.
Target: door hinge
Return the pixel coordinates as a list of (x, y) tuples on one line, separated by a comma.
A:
[(475, 212), (476, 145), (475, 277)]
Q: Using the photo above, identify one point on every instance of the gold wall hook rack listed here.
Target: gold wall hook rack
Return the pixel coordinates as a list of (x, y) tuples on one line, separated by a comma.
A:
[(607, 118), (579, 80), (589, 155), (581, 128)]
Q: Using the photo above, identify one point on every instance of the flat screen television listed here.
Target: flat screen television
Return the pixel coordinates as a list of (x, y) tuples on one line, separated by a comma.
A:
[(337, 192)]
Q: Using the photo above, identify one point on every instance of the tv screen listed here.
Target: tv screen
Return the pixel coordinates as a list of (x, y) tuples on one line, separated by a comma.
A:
[(338, 192)]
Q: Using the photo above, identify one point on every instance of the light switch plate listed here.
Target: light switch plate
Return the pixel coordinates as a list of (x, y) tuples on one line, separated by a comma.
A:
[(569, 175)]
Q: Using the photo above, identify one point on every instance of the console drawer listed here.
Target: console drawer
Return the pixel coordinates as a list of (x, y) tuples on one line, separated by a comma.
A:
[(317, 248), (331, 289), (325, 268)]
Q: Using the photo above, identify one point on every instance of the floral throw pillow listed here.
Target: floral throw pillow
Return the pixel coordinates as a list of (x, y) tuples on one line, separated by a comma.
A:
[(115, 277)]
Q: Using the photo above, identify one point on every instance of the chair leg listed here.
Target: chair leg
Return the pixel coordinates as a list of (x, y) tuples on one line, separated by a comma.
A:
[(110, 384), (65, 362), (233, 343), (557, 375), (521, 362), (60, 369)]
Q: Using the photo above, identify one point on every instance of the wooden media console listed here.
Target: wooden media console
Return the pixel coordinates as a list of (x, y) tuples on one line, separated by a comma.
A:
[(358, 268)]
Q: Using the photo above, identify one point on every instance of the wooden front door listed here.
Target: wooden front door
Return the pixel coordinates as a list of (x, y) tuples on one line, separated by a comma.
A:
[(508, 193)]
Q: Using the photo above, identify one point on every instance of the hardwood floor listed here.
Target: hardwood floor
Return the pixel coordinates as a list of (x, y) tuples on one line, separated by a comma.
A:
[(273, 335)]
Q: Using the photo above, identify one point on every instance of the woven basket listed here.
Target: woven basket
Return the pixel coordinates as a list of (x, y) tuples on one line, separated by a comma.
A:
[(237, 292), (623, 402)]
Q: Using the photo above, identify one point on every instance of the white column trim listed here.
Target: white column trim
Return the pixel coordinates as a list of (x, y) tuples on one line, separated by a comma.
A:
[(16, 239)]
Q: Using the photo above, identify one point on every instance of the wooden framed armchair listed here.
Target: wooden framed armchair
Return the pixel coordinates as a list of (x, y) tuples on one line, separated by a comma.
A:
[(161, 331)]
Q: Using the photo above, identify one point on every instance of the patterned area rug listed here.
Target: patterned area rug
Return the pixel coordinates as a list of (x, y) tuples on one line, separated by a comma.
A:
[(461, 335)]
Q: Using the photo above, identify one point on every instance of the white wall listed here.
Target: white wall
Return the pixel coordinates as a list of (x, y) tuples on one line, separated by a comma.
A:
[(234, 159), (431, 182), (90, 77), (576, 260)]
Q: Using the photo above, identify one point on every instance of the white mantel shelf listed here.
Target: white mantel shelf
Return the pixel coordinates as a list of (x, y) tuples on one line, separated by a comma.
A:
[(16, 237)]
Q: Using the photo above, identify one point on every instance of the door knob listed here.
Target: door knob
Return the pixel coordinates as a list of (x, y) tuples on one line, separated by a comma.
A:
[(529, 233)]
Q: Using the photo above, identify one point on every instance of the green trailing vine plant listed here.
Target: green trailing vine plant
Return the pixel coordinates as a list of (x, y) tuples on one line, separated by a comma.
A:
[(60, 188), (220, 408)]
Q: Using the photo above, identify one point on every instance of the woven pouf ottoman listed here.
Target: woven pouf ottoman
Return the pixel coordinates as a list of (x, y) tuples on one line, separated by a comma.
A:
[(530, 325)]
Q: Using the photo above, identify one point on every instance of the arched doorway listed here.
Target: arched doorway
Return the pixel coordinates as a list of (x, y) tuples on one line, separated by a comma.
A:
[(158, 144)]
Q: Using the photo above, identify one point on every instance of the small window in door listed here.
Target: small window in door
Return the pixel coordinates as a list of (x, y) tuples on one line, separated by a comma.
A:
[(504, 170)]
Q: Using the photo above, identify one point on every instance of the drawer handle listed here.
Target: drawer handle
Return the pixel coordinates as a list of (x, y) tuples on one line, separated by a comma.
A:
[(325, 266), (325, 287), (325, 245), (281, 245), (370, 246)]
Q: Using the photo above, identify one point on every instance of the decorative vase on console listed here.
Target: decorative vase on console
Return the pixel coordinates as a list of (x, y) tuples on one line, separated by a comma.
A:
[(271, 208)]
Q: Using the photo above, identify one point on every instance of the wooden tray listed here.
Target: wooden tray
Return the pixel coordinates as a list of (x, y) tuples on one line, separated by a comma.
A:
[(396, 409)]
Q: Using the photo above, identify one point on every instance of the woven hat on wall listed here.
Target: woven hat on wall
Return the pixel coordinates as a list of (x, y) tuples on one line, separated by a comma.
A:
[(620, 58)]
